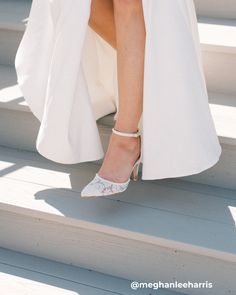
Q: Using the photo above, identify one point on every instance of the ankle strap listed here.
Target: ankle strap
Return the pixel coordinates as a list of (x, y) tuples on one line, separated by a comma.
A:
[(136, 134)]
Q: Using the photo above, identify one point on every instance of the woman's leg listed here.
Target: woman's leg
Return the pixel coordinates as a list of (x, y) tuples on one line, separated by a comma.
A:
[(130, 35), (122, 152), (102, 20)]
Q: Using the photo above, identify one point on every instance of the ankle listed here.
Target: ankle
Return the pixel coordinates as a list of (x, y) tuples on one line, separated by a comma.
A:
[(124, 129), (128, 143)]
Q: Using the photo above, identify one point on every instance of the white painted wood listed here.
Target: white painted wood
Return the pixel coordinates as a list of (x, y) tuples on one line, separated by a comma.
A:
[(10, 40), (13, 16), (10, 95), (220, 72), (22, 274), (111, 254), (216, 8), (18, 129), (29, 284), (13, 13), (20, 262), (218, 42), (223, 109), (217, 34), (223, 173), (23, 166), (207, 238), (158, 229)]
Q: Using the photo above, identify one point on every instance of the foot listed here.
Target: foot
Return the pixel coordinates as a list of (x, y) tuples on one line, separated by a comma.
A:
[(121, 154)]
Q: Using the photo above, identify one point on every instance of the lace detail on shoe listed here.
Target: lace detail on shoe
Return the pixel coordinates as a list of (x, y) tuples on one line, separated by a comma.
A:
[(106, 186), (103, 187)]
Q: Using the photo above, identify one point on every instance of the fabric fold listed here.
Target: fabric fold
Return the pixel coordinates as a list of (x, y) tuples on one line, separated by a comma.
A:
[(67, 75)]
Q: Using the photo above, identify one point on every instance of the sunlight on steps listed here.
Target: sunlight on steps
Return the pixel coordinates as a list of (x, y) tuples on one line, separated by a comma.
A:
[(54, 242)]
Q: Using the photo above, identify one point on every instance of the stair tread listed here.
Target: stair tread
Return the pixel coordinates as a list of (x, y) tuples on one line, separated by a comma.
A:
[(216, 8), (223, 106), (11, 97), (198, 220), (22, 274), (217, 34), (10, 94), (13, 14), (223, 109)]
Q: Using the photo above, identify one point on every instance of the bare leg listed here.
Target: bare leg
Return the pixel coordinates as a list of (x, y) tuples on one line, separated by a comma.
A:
[(129, 30), (102, 20)]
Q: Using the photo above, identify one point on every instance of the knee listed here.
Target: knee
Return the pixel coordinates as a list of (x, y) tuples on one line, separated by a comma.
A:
[(127, 6)]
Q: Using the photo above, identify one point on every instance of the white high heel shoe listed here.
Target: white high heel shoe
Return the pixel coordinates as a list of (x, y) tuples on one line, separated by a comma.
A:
[(100, 186)]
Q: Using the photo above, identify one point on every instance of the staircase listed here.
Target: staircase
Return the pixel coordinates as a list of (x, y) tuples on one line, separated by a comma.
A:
[(168, 230)]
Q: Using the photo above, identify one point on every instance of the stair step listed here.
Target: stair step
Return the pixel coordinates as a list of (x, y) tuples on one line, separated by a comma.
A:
[(14, 112), (13, 18), (223, 106), (14, 13), (223, 174), (165, 229), (218, 42), (19, 128), (216, 8), (218, 38), (23, 274)]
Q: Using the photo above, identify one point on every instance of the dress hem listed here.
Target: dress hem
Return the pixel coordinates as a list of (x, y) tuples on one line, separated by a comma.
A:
[(185, 174), (72, 162)]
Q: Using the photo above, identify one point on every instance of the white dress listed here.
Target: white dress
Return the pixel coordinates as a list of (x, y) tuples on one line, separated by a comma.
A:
[(67, 75)]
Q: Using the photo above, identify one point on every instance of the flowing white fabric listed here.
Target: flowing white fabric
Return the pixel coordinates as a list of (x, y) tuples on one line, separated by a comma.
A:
[(67, 75)]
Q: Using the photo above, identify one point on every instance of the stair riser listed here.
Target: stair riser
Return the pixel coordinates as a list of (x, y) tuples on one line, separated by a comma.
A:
[(112, 254), (220, 71), (24, 128), (10, 41), (216, 8), (223, 174)]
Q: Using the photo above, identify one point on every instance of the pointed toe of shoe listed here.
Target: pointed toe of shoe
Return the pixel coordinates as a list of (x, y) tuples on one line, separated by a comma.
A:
[(85, 192), (102, 187), (90, 191)]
